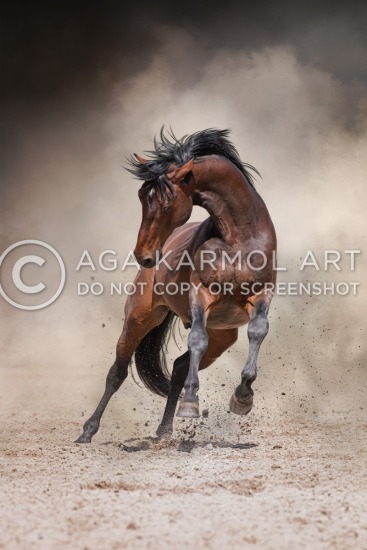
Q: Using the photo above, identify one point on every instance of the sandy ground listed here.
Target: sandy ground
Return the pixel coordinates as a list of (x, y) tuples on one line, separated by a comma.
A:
[(269, 480)]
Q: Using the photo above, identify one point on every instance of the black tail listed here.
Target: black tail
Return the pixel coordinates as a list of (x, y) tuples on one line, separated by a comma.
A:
[(150, 359)]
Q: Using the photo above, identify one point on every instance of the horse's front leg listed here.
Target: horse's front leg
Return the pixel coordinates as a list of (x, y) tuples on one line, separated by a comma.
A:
[(197, 344), (242, 399), (115, 377), (139, 320)]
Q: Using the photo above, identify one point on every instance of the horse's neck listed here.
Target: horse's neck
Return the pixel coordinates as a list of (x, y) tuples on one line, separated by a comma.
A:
[(230, 202)]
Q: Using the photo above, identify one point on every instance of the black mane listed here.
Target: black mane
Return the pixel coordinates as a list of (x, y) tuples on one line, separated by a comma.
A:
[(179, 151)]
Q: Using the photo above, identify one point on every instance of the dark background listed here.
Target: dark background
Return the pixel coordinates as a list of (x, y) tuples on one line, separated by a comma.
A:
[(56, 48)]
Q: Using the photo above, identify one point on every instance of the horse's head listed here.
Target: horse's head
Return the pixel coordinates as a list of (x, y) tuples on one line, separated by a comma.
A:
[(166, 204)]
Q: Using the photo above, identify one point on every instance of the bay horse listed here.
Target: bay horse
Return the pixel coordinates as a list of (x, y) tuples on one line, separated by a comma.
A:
[(200, 169)]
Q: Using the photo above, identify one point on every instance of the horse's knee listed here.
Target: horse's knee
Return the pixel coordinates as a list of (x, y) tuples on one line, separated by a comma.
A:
[(258, 327), (197, 341), (117, 373)]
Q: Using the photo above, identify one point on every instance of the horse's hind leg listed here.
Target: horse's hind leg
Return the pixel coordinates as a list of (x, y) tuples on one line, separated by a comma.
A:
[(242, 399), (178, 377), (137, 324)]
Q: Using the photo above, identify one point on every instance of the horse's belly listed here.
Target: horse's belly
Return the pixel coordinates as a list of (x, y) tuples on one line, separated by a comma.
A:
[(223, 316)]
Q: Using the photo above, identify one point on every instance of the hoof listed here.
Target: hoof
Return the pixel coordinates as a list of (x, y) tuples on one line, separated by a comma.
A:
[(165, 432), (241, 407), (84, 438), (188, 409)]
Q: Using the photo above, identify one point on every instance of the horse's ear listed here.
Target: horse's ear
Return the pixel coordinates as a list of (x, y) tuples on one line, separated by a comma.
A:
[(140, 159), (184, 170), (172, 171)]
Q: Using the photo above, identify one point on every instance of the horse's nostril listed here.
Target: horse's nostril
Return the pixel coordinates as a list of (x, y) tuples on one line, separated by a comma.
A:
[(148, 262)]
